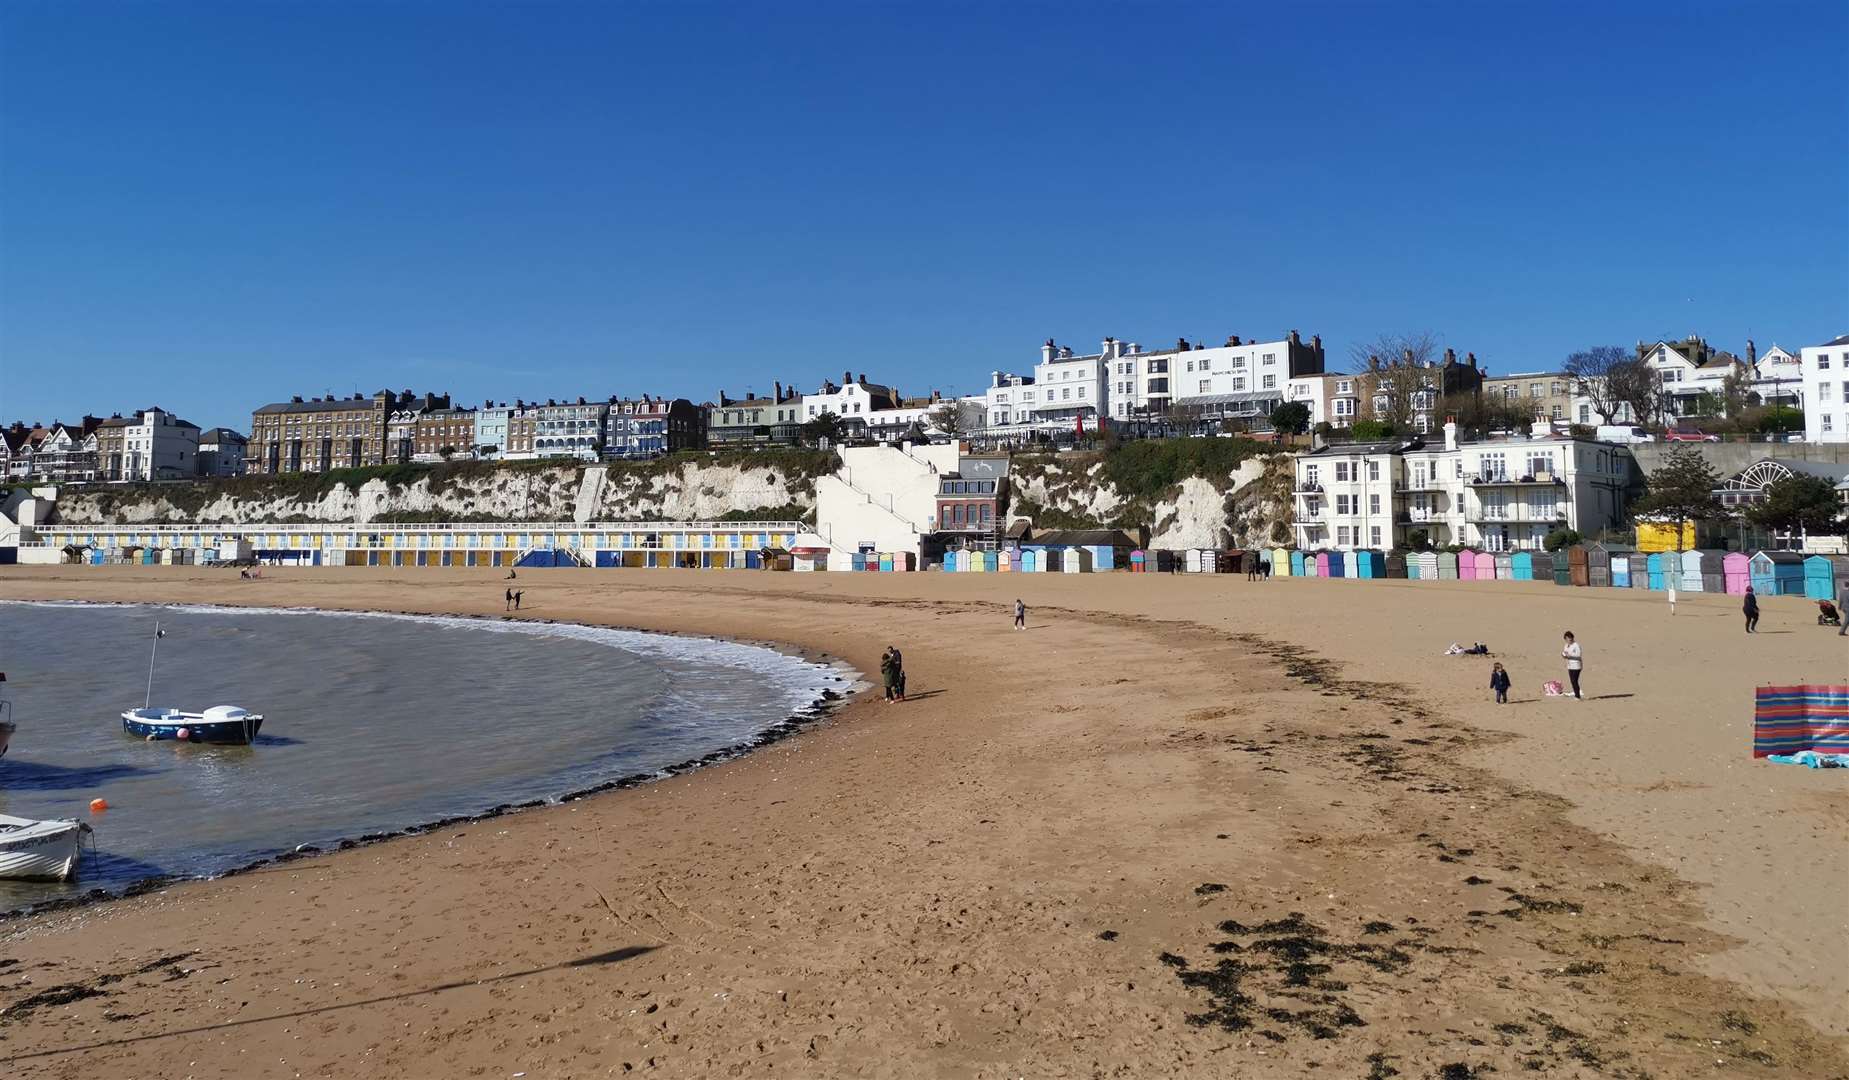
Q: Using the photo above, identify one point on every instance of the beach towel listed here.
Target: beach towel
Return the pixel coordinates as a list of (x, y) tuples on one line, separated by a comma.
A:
[(1552, 688), (1792, 719), (1811, 759)]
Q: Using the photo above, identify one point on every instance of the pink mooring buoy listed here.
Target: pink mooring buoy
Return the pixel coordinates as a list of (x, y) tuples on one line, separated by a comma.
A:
[(184, 733)]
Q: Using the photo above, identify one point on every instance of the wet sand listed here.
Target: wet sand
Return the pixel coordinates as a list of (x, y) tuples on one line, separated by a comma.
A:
[(1181, 826)]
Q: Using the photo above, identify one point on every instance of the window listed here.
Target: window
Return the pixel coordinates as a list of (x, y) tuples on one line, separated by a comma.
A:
[(1271, 382), (1373, 470), (1344, 387), (1556, 413), (1823, 389), (1190, 367), (1271, 358), (1585, 414), (1345, 504), (1374, 536), (1158, 386), (1343, 472), (1534, 390), (1309, 475), (1823, 361), (1158, 367), (1828, 424), (1065, 394), (1239, 384), (1539, 463), (1545, 505), (1205, 385), (1373, 504), (1494, 465), (1238, 362), (1081, 393)]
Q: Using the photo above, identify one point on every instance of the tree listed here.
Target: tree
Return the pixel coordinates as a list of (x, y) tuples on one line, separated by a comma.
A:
[(1482, 415), (1779, 421), (1799, 503), (1606, 376), (1681, 489), (1561, 538), (955, 418), (1638, 385), (1371, 430), (1290, 418), (1398, 380), (826, 426)]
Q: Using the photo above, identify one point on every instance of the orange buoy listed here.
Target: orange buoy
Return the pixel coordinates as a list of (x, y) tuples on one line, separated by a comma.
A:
[(97, 806)]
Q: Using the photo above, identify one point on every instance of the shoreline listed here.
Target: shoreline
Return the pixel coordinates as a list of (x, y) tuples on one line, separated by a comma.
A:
[(822, 706), (1049, 833)]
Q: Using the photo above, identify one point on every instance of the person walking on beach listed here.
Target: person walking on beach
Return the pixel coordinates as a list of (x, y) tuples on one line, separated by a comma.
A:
[(1571, 654), (518, 596), (1020, 614), (510, 601), (1499, 682), (892, 675), (1750, 608)]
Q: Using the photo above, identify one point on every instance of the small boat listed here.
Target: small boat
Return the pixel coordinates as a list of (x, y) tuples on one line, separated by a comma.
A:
[(224, 724), (40, 850)]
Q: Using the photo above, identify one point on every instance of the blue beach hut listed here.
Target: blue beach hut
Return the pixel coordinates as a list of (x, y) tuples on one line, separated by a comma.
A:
[(1370, 564), (1821, 573), (1521, 566), (1776, 573), (1660, 563), (1338, 564), (1412, 567), (1621, 571), (1296, 564)]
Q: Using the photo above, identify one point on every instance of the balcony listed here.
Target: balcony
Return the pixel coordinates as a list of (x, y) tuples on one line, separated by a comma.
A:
[(1515, 515), (1507, 480), (1311, 488), (1430, 483)]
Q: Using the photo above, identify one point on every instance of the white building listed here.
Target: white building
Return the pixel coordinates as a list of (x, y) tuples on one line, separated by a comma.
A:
[(1492, 495), (491, 429), (1825, 371), (882, 498), (915, 417), (854, 401), (1071, 389), (1774, 377), (221, 453), (573, 429), (157, 445), (1007, 398)]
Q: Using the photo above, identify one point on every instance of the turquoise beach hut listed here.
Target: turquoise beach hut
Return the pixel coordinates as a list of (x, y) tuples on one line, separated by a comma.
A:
[(1412, 566), (1658, 563), (1447, 566), (1296, 564), (1428, 565), (1370, 564), (1521, 566), (1776, 573), (1821, 572)]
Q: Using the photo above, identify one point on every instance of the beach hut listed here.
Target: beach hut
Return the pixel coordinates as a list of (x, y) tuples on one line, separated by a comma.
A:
[(1486, 565), (1370, 564), (1397, 566), (1824, 576), (1280, 562), (1544, 565), (1579, 565), (1713, 571), (1640, 569), (1467, 565), (1078, 560), (1691, 571), (1030, 561), (1447, 566), (1505, 566), (1428, 565), (1412, 566), (1660, 563), (1322, 564), (1735, 573), (1521, 566), (1620, 571), (1776, 573), (1296, 564), (1138, 562), (1338, 565), (1194, 560)]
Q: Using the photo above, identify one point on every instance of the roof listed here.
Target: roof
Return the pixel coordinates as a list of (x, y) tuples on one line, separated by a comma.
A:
[(221, 434), (343, 405), (1844, 340), (1081, 538), (1780, 556), (1395, 446)]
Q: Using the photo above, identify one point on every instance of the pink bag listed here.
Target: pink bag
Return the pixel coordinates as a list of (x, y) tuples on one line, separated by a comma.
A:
[(1553, 688)]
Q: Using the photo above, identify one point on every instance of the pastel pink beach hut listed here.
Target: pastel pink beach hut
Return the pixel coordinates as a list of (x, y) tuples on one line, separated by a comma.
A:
[(1735, 567), (1486, 565), (1322, 564), (1467, 565)]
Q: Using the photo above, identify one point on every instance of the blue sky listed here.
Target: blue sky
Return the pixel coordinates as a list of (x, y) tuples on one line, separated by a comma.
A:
[(213, 206)]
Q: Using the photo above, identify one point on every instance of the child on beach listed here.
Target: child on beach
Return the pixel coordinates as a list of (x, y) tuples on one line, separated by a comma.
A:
[(1499, 682), (1020, 614)]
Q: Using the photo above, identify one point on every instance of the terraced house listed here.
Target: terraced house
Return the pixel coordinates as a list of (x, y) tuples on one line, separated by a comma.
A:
[(319, 434)]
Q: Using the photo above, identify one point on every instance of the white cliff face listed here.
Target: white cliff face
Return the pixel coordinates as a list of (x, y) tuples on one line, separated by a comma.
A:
[(1234, 510), (684, 491)]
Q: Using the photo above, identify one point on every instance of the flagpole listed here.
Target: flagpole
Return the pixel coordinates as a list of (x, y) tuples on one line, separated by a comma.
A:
[(149, 698)]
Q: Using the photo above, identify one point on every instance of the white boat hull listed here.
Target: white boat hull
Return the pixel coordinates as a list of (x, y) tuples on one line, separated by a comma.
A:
[(40, 850)]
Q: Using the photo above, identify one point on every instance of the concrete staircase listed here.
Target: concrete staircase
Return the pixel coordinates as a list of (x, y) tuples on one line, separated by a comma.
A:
[(590, 494)]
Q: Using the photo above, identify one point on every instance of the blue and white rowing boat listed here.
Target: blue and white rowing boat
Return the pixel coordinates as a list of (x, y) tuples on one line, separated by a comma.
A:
[(224, 724)]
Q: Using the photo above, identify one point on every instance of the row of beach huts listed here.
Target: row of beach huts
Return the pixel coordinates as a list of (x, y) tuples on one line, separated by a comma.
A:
[(1768, 573)]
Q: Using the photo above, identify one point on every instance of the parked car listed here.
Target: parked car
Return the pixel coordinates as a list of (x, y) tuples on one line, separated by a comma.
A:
[(1689, 436)]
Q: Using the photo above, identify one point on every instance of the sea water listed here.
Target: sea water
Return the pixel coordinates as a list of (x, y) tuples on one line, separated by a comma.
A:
[(372, 723)]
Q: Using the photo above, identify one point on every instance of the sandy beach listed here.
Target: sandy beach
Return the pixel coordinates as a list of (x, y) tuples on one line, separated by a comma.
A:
[(1181, 826)]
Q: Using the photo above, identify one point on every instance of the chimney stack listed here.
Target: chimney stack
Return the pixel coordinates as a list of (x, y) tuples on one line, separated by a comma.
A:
[(1450, 433), (1752, 353), (847, 378), (1450, 357), (777, 392), (1471, 359), (863, 378), (1294, 339), (1046, 351)]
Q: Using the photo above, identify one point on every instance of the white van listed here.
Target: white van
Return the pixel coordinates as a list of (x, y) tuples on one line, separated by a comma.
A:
[(1623, 433)]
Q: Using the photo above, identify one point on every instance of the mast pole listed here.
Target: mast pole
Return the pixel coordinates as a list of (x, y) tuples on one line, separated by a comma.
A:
[(149, 697)]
